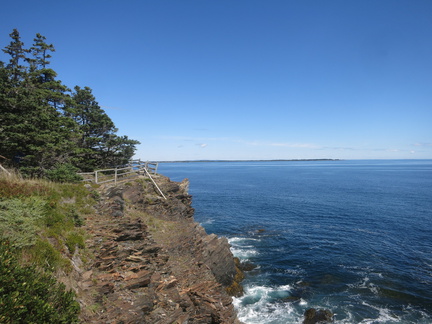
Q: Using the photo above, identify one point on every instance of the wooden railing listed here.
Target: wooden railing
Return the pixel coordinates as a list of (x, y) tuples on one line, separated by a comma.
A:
[(133, 169)]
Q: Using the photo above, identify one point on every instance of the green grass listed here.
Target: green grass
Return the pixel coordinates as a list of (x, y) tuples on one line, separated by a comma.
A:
[(73, 240), (21, 218), (41, 219), (41, 227)]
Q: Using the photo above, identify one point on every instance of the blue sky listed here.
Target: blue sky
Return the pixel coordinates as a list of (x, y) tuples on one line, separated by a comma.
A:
[(247, 79)]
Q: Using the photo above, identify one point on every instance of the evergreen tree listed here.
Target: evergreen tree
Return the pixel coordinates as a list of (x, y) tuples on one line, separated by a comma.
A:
[(40, 51), (94, 127), (17, 53), (118, 150), (34, 136), (43, 126), (99, 144), (44, 78)]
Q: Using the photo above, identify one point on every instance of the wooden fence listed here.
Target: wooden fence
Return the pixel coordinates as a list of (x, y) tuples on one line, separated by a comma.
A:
[(133, 169)]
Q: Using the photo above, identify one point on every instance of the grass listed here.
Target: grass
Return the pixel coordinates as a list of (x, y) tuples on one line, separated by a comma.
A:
[(154, 224), (40, 230), (75, 239), (41, 219), (20, 220), (14, 185)]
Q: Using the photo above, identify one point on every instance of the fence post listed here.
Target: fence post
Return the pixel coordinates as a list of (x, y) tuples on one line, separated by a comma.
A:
[(115, 175), (4, 170), (96, 177)]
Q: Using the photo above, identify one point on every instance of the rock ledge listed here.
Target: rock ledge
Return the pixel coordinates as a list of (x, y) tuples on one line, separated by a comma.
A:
[(151, 262)]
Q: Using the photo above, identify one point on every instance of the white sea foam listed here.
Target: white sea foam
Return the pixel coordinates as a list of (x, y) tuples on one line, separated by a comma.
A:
[(365, 283), (258, 305), (385, 316), (241, 247), (295, 272), (239, 240), (207, 222), (243, 253)]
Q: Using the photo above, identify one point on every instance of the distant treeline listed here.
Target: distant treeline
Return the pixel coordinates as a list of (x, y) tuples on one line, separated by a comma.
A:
[(278, 160), (44, 125)]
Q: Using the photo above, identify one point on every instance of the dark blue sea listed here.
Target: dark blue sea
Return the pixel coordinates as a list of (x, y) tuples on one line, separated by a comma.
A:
[(354, 237)]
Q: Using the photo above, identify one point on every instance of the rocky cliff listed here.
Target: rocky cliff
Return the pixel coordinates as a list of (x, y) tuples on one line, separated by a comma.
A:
[(149, 262)]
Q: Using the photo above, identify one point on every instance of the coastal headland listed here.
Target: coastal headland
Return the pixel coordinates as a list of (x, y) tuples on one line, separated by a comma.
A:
[(152, 262)]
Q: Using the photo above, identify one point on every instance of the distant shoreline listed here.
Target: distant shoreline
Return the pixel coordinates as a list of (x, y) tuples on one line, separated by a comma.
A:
[(277, 160)]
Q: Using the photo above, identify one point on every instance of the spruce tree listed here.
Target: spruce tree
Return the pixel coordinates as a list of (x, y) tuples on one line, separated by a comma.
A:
[(35, 137), (94, 127), (43, 126), (17, 53), (99, 144)]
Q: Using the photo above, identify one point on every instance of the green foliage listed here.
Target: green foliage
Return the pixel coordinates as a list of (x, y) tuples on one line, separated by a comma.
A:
[(47, 257), (41, 219), (76, 218), (20, 218), (64, 173), (28, 296), (43, 125), (55, 218), (38, 220), (73, 240), (99, 144)]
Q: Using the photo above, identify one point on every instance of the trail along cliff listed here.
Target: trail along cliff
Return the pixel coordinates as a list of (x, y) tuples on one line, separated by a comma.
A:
[(151, 263)]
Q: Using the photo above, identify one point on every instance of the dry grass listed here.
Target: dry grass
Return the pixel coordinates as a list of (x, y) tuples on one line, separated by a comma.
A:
[(13, 184), (43, 217)]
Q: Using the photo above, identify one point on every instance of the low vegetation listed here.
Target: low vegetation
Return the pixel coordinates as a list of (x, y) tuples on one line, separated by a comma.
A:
[(48, 133), (40, 230), (28, 295)]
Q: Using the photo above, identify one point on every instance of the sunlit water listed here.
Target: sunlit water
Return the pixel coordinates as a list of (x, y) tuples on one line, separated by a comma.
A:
[(354, 237)]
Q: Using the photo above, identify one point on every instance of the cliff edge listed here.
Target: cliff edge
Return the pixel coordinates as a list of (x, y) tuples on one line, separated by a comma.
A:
[(150, 262)]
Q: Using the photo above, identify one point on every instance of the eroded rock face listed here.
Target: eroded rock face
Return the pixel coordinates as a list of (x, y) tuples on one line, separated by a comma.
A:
[(153, 263), (218, 257)]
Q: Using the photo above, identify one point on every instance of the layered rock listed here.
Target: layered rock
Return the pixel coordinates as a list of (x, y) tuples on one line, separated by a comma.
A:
[(152, 263)]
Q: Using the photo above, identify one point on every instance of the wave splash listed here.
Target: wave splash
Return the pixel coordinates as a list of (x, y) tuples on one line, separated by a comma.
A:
[(267, 303)]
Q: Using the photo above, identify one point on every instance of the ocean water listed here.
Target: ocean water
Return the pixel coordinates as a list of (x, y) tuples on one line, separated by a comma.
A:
[(354, 237)]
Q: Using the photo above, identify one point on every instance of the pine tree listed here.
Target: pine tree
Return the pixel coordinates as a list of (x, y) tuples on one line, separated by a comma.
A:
[(40, 51), (44, 78), (43, 126), (17, 53), (99, 144), (35, 136), (119, 150), (94, 126)]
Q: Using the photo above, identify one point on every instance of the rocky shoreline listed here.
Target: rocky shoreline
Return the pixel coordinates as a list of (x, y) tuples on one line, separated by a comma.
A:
[(151, 262), (147, 261)]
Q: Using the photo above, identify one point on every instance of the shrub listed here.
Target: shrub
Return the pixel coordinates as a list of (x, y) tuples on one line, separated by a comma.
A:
[(47, 257), (73, 240), (29, 296), (64, 173), (19, 220), (76, 218)]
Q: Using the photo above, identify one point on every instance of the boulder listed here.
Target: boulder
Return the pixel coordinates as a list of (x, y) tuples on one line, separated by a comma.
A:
[(313, 316)]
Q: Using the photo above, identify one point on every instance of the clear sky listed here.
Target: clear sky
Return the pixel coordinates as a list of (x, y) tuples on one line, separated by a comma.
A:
[(247, 79)]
